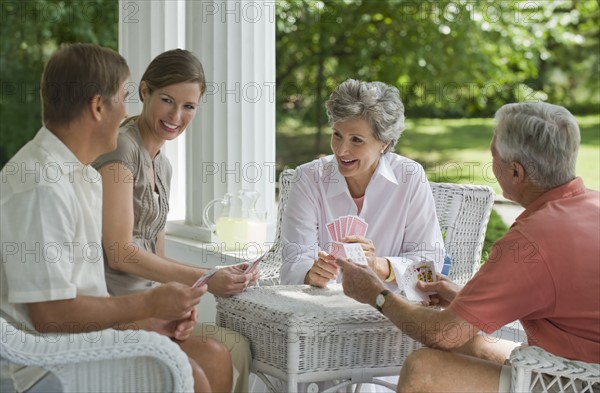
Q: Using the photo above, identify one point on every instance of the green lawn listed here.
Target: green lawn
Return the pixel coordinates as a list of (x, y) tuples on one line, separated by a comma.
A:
[(457, 151), (450, 150)]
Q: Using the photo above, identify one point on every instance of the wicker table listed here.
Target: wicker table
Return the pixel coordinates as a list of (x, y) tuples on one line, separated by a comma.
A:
[(300, 333)]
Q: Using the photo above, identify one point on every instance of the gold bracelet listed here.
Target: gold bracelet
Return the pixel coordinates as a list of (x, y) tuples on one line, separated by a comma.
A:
[(392, 275)]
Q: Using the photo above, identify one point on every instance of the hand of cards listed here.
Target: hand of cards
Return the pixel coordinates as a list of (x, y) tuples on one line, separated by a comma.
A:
[(253, 266), (206, 276), (418, 271), (347, 226)]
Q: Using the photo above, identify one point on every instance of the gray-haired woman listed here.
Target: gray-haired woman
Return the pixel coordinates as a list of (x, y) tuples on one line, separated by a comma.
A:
[(363, 178)]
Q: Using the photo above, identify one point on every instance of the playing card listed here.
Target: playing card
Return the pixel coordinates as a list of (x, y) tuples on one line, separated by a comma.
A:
[(204, 278), (358, 227), (418, 271), (343, 224), (331, 230), (254, 264), (338, 231), (349, 224), (337, 250), (355, 253), (425, 271)]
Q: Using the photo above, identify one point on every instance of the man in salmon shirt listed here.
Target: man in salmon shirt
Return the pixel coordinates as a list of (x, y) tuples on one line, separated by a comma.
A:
[(543, 272)]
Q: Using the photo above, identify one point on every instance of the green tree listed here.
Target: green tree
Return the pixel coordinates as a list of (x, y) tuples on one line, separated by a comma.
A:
[(31, 31), (448, 58)]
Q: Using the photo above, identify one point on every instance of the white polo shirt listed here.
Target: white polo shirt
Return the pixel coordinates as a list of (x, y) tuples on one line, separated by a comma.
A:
[(398, 206), (51, 216)]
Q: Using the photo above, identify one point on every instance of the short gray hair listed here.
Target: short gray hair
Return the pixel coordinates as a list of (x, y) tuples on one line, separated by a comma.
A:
[(376, 102), (542, 137)]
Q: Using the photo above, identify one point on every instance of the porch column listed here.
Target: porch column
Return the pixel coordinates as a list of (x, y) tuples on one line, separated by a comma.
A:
[(233, 143)]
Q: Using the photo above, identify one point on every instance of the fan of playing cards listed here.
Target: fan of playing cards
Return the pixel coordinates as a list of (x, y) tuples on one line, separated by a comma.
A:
[(418, 271), (252, 267), (347, 226)]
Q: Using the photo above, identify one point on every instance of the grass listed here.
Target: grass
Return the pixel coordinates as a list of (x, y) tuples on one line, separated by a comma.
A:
[(496, 228), (450, 150)]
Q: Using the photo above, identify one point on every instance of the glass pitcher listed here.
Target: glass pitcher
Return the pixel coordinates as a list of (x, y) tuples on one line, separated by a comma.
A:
[(238, 224)]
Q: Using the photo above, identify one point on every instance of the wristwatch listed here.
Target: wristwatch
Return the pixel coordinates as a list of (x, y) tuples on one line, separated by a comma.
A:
[(380, 299)]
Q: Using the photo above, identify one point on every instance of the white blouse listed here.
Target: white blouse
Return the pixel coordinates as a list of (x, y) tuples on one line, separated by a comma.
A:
[(398, 206)]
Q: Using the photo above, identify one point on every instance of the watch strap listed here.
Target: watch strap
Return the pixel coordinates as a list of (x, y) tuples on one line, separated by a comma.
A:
[(383, 293)]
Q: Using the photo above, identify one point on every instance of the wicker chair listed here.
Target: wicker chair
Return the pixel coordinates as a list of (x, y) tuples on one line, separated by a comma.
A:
[(535, 370), (104, 361), (463, 212), (271, 264)]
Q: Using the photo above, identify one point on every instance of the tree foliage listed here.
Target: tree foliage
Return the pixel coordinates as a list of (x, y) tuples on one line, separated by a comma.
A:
[(457, 58), (31, 31), (448, 58)]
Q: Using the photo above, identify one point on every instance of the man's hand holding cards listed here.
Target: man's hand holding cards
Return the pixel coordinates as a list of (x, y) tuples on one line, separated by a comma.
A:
[(418, 271), (347, 226)]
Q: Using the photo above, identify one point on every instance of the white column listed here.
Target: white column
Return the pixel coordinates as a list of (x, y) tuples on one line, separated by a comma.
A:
[(233, 143), (146, 29)]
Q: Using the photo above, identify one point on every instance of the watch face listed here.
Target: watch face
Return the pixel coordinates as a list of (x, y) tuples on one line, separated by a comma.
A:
[(379, 300)]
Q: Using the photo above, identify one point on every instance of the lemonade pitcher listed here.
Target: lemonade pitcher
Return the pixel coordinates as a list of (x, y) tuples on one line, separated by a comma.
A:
[(238, 224)]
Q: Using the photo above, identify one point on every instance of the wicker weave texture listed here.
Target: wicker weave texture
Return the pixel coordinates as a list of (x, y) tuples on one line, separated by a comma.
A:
[(102, 361), (463, 213), (329, 330), (535, 370), (270, 266)]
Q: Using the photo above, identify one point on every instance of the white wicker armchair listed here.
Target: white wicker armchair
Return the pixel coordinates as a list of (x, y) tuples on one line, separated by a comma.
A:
[(103, 361), (463, 212), (535, 370)]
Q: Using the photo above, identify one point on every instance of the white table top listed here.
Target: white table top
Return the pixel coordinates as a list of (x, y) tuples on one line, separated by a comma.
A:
[(296, 303)]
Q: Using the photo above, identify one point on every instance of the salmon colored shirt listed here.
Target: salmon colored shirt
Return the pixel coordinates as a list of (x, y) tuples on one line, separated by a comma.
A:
[(544, 272)]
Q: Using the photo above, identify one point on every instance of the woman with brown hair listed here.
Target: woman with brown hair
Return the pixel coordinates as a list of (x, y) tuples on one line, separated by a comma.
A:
[(136, 179)]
